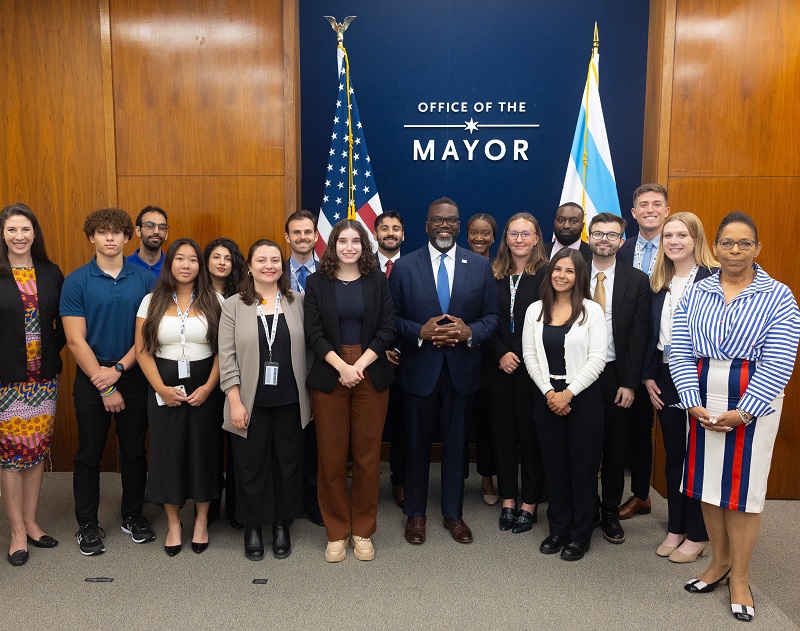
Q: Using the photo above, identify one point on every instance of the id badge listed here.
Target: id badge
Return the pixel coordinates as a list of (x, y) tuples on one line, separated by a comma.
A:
[(184, 368), (665, 357), (270, 374)]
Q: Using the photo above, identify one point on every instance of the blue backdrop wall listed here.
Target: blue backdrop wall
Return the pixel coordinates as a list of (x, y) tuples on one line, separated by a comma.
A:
[(509, 62)]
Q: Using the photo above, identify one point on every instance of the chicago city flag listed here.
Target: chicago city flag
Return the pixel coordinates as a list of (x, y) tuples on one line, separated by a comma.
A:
[(590, 175), (349, 168)]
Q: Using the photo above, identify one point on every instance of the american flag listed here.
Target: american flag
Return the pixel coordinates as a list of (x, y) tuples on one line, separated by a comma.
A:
[(365, 191)]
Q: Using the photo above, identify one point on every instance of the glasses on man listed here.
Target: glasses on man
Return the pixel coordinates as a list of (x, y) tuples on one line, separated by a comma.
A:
[(611, 236), (525, 236), (150, 225), (744, 244), (438, 221)]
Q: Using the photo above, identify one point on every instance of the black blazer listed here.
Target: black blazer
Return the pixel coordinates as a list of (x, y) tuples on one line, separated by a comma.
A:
[(630, 322), (627, 250), (650, 370), (323, 335), (586, 253), (14, 364)]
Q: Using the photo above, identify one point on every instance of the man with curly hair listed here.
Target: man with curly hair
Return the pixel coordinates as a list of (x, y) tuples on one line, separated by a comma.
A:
[(98, 307)]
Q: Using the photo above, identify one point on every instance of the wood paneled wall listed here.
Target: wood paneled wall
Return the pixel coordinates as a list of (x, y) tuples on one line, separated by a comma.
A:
[(192, 106), (721, 126)]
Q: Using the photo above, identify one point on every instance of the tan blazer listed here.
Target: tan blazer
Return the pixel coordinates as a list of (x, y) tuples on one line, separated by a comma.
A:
[(239, 354)]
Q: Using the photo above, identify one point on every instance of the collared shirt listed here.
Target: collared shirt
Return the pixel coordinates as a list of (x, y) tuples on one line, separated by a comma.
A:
[(449, 264), (557, 245), (761, 324), (108, 305), (608, 283), (137, 260), (638, 254), (294, 267), (382, 260)]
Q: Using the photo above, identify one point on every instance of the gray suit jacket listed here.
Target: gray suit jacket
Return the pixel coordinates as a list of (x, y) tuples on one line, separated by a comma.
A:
[(239, 354)]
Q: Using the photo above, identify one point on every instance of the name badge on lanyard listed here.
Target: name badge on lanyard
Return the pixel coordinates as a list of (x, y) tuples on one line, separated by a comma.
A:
[(184, 363), (671, 307), (270, 367), (513, 288)]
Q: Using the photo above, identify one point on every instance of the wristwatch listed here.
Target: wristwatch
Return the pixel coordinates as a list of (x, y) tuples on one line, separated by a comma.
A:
[(119, 367), (746, 417)]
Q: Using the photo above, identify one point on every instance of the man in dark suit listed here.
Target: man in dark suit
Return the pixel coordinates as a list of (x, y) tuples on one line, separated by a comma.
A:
[(567, 229), (624, 294), (446, 306), (650, 210), (389, 236)]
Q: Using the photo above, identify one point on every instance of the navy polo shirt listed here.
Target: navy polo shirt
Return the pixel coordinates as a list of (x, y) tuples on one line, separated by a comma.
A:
[(136, 260), (108, 305)]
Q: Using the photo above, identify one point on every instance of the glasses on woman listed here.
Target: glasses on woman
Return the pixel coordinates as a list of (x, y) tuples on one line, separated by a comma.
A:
[(438, 221), (611, 236), (525, 236), (744, 244)]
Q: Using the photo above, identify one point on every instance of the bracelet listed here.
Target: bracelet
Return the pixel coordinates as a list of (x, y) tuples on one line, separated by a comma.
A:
[(746, 417), (111, 390), (565, 398)]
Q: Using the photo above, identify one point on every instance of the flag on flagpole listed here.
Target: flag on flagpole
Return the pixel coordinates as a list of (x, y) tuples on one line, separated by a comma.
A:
[(349, 180), (590, 175)]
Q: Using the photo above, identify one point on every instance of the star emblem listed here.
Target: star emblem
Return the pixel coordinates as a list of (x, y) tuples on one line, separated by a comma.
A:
[(366, 173), (336, 215), (338, 201), (327, 183), (471, 125), (324, 198)]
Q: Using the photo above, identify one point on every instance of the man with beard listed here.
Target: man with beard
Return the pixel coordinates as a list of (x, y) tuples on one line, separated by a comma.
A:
[(624, 294), (389, 237), (567, 228), (446, 306), (152, 230)]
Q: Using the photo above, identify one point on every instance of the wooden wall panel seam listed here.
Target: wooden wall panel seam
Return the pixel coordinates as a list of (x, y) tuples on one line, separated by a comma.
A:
[(108, 103)]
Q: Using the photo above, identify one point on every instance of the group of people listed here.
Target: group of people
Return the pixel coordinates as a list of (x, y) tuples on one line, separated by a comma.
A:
[(555, 354)]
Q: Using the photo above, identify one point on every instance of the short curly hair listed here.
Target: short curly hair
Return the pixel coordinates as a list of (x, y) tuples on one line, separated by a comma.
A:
[(114, 219)]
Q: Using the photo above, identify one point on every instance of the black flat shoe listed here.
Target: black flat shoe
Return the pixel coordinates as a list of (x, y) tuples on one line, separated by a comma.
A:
[(20, 557), (173, 550), (524, 521), (253, 543), (45, 541), (552, 544), (199, 548), (281, 542), (745, 613), (574, 551), (507, 517), (696, 586)]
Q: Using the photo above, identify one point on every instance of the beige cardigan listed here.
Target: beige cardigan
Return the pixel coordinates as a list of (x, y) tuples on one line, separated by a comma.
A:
[(239, 354)]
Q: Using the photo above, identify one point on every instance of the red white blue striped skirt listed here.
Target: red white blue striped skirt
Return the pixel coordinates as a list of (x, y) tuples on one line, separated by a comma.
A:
[(729, 469)]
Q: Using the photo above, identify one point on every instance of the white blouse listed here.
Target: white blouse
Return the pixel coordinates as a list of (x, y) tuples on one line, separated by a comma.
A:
[(169, 334)]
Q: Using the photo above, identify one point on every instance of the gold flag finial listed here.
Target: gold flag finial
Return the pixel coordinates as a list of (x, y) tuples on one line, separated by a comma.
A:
[(596, 42), (340, 27)]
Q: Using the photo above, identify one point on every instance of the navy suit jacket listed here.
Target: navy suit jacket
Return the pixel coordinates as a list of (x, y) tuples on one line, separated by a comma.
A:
[(473, 299), (627, 250)]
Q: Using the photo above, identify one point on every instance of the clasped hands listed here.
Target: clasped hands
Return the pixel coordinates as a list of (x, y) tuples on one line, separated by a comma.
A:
[(558, 402), (450, 332), (725, 422)]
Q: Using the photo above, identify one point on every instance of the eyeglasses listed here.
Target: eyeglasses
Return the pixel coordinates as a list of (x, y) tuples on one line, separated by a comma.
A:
[(152, 226), (573, 221), (438, 221), (744, 244), (514, 235), (611, 236)]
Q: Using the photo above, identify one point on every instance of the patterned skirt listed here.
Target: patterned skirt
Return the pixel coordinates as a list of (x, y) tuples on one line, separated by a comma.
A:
[(27, 412), (729, 469)]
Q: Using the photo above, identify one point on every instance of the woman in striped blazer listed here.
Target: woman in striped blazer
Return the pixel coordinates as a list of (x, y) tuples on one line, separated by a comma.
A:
[(734, 343)]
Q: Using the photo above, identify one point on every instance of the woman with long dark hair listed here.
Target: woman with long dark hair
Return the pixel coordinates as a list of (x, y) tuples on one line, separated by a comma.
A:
[(176, 346), (564, 345), (225, 265), (349, 321), (30, 288)]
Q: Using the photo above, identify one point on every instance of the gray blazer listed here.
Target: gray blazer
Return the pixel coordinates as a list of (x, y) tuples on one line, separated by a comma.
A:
[(239, 354)]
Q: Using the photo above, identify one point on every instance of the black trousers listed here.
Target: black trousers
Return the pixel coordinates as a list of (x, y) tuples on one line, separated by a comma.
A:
[(571, 447), (640, 443), (445, 409), (515, 439), (93, 424), (616, 428), (269, 466), (481, 430), (396, 429)]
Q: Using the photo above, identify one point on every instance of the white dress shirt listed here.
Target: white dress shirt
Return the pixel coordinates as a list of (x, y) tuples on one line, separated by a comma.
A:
[(608, 283), (382, 260), (449, 264)]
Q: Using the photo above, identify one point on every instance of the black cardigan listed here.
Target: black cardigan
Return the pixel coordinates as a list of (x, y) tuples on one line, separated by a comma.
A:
[(14, 364), (322, 329)]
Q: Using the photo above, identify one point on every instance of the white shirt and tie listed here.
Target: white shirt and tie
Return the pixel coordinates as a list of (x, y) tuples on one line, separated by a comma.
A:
[(608, 283)]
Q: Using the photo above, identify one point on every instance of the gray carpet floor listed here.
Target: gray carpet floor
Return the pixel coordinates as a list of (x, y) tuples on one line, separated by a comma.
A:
[(499, 581)]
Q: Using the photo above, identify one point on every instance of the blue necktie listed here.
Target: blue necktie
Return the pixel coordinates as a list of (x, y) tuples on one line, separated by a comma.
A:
[(647, 257), (443, 285), (301, 277)]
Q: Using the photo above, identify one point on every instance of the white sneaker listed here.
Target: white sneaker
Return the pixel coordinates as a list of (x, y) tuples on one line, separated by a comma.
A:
[(336, 551), (362, 548)]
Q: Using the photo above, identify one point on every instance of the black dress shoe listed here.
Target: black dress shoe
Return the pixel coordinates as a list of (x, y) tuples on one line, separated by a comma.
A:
[(45, 541), (524, 521), (253, 543), (281, 542), (173, 550), (314, 514), (20, 557), (507, 517), (235, 524), (199, 548), (612, 531), (574, 551), (552, 544)]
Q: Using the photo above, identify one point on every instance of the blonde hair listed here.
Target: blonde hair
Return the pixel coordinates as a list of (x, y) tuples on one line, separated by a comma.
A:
[(664, 268), (503, 265)]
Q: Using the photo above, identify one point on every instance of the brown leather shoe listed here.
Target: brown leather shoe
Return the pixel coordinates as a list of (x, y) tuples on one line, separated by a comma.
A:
[(415, 530), (458, 530), (634, 506), (399, 493)]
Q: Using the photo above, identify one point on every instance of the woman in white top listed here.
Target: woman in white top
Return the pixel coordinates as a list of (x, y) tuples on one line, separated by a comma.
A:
[(564, 345), (176, 345)]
